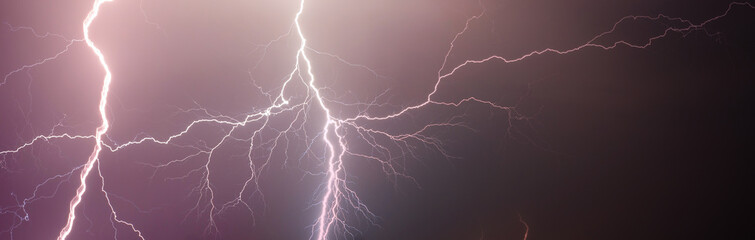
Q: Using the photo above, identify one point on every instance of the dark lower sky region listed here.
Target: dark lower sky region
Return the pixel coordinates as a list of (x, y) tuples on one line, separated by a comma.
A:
[(420, 119)]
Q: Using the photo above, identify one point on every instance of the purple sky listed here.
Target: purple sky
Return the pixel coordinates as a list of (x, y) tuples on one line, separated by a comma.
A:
[(552, 131)]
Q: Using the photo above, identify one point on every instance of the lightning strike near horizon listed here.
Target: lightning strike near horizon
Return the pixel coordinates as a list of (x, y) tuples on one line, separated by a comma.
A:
[(299, 110)]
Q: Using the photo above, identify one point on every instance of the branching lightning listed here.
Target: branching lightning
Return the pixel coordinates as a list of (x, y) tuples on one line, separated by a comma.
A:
[(101, 130), (300, 95)]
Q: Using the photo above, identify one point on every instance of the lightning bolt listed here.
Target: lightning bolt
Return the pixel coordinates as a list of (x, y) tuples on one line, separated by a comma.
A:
[(334, 164), (337, 133), (526, 227), (101, 130), (335, 185)]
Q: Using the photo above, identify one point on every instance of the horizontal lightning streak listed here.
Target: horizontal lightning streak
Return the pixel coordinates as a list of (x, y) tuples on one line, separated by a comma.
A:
[(589, 44)]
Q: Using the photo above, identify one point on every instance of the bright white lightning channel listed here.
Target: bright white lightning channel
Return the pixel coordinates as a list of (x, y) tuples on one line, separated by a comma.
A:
[(101, 130)]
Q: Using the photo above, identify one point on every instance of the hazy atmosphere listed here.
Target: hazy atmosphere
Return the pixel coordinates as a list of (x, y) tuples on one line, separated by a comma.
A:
[(419, 119)]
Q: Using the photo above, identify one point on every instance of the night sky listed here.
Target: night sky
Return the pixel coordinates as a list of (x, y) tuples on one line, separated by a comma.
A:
[(641, 133)]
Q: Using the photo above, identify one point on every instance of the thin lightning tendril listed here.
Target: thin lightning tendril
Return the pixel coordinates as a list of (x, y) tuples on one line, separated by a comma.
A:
[(335, 200)]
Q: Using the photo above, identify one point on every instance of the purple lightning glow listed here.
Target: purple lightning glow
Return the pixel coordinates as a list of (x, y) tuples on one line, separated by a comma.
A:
[(301, 97)]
